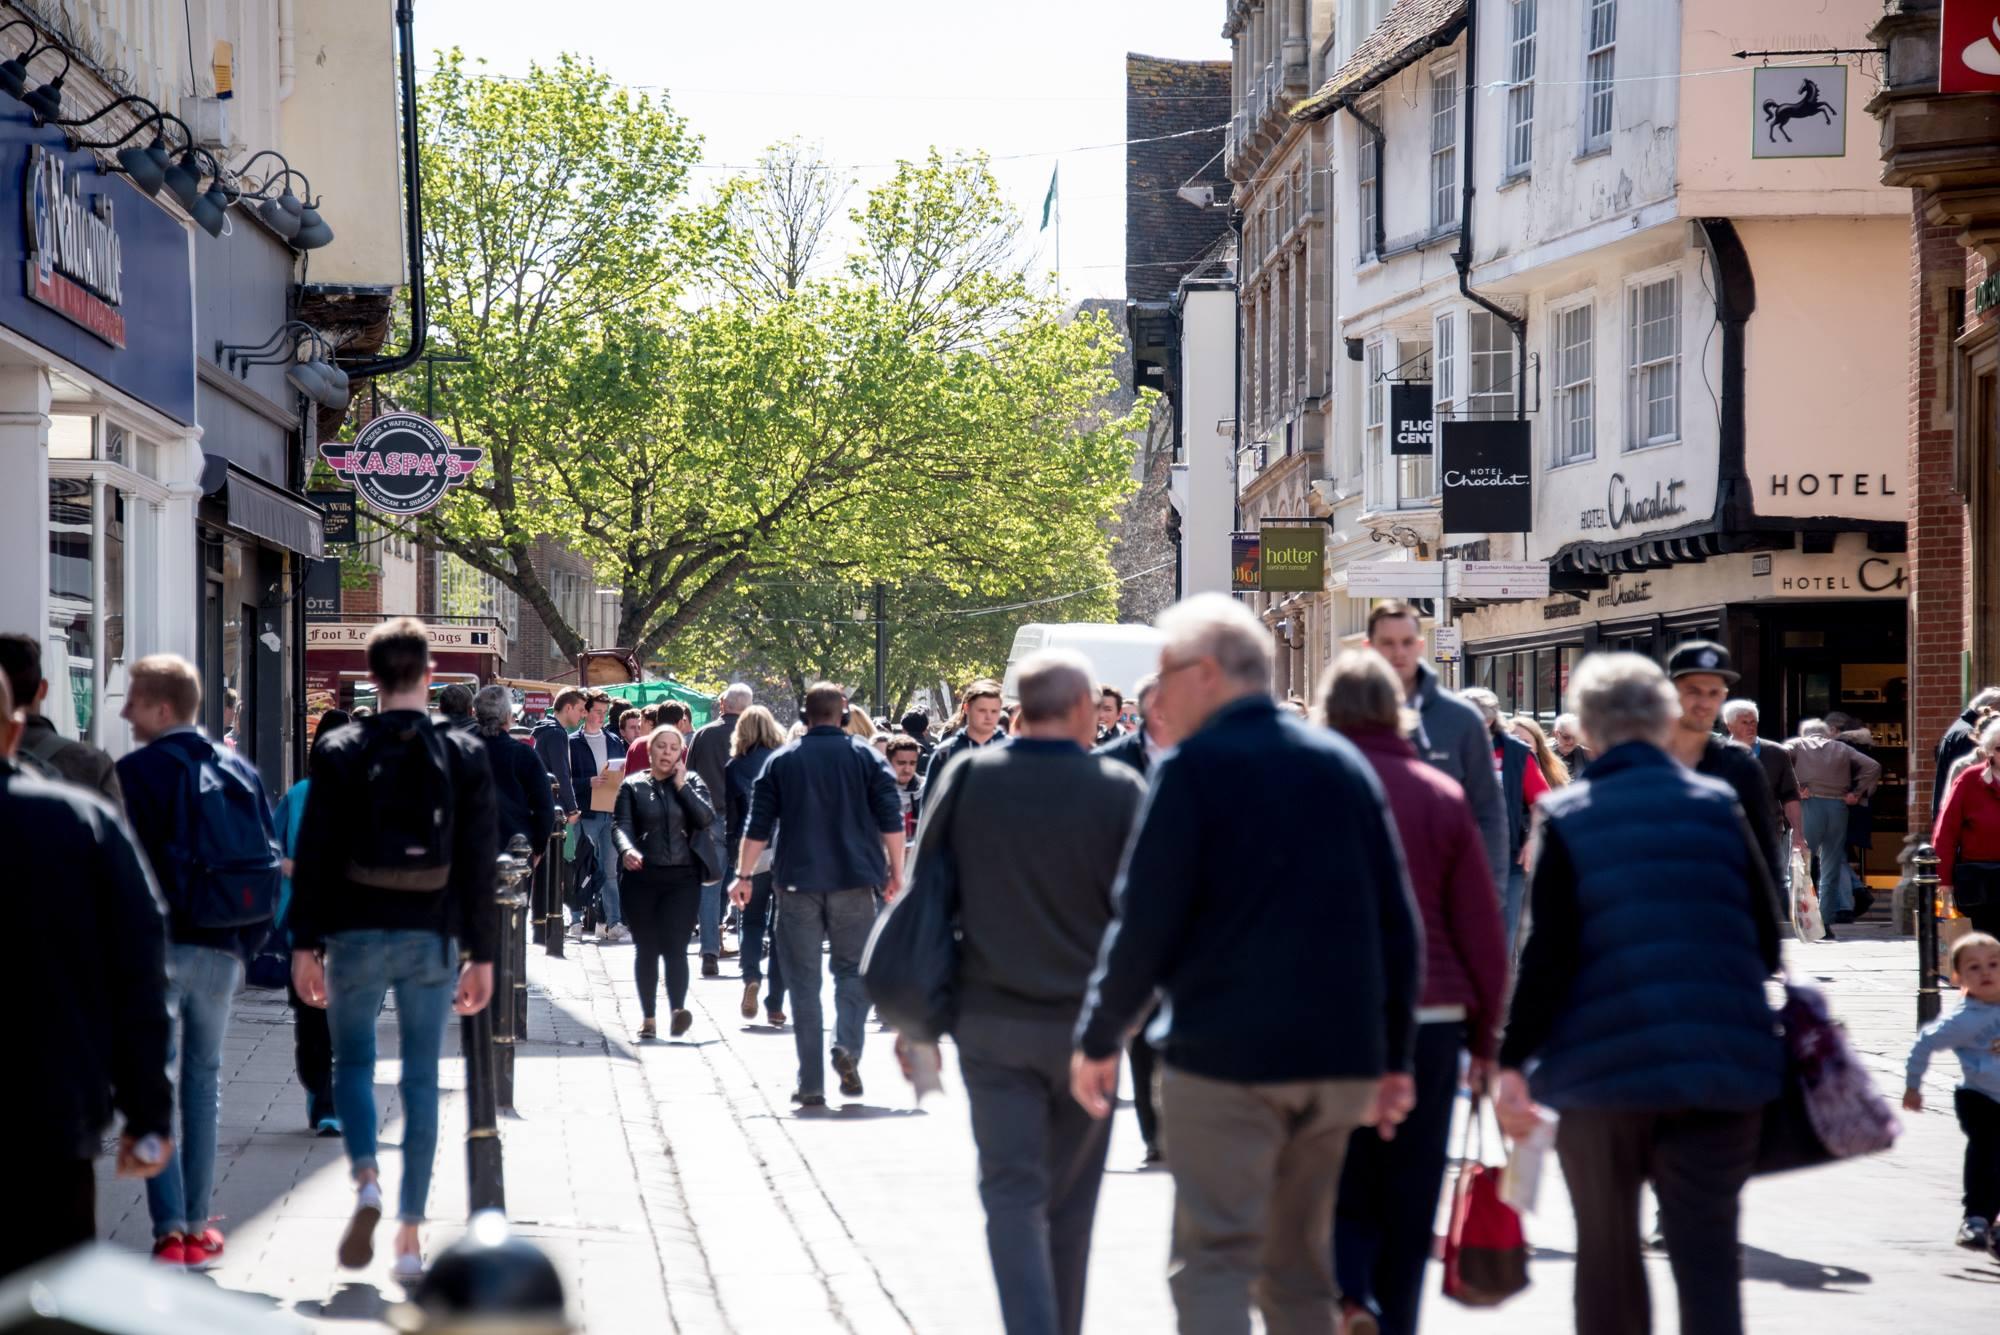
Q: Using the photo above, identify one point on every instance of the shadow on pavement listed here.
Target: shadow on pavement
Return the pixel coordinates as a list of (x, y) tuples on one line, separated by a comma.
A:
[(350, 1302), (1794, 1273), (855, 1112)]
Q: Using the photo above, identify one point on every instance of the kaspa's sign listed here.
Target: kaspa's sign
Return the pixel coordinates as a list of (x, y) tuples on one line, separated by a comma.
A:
[(401, 464), (76, 266), (1294, 559)]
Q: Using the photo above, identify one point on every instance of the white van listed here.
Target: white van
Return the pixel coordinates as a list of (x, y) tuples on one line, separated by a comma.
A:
[(1119, 655)]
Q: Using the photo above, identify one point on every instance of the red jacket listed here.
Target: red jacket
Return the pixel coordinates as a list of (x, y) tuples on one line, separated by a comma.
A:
[(1465, 947), (1968, 829)]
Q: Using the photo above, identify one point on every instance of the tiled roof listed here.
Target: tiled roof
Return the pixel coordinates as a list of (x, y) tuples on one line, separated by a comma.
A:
[(1406, 32), (1165, 236)]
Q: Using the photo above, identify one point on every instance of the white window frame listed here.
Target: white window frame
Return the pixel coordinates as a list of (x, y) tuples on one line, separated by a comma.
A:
[(1368, 182), (1572, 384), (1638, 435), (1444, 366), (1445, 112), (1491, 404), (1522, 24), (1600, 73), (1374, 413)]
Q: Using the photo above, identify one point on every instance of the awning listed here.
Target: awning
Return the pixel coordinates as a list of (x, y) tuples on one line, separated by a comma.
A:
[(701, 708), (1407, 33), (263, 511)]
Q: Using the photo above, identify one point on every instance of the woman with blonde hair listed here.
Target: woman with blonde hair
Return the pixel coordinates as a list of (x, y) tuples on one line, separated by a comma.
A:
[(1389, 1188), (757, 735), (858, 722), (1552, 766)]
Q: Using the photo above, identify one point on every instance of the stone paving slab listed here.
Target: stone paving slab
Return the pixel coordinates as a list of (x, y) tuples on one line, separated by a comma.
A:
[(677, 1189)]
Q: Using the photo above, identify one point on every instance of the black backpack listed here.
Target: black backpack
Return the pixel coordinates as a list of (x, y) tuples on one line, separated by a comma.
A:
[(405, 837)]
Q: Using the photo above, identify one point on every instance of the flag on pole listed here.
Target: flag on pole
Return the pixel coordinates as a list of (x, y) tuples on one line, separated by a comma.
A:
[(1049, 201)]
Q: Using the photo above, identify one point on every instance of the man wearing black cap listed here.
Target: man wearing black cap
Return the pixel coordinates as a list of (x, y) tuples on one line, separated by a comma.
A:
[(1703, 676)]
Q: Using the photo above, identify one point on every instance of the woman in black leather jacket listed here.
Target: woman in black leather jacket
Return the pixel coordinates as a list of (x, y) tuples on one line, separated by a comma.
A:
[(659, 823)]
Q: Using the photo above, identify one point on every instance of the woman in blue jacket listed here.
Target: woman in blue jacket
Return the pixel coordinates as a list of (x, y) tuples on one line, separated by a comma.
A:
[(312, 1045)]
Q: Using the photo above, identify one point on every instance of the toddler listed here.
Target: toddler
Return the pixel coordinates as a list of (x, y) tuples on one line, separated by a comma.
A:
[(1973, 1032)]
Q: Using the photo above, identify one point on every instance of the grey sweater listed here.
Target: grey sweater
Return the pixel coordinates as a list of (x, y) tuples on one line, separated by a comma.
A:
[(1036, 830)]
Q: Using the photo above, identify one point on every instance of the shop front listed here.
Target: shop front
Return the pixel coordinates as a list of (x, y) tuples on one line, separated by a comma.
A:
[(465, 651), (99, 462), (1813, 634)]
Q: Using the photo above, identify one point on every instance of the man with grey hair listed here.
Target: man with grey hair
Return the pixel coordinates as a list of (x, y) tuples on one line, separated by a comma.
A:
[(1959, 740), (1739, 720), (708, 756), (521, 793), (1567, 739), (1259, 1100), (1832, 776), (1032, 912)]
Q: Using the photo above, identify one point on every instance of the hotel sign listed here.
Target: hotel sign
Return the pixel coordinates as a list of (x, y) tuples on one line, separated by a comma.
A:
[(76, 263)]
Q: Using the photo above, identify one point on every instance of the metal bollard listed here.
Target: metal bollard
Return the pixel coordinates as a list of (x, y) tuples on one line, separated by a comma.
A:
[(477, 1037), (1924, 889), (509, 991), (552, 897)]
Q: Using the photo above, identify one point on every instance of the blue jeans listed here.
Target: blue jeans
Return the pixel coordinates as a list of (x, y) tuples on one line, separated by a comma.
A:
[(361, 967), (202, 983), (762, 910), (1826, 836), (709, 918), (597, 828), (841, 918)]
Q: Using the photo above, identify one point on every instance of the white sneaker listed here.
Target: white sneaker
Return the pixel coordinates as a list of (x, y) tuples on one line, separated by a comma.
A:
[(408, 1269), (357, 1245)]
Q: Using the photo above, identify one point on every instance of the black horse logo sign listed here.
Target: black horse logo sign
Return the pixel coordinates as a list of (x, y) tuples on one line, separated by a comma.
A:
[(1778, 114)]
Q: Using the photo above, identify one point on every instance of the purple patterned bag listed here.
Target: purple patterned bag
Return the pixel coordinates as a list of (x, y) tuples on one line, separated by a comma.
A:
[(1829, 1108)]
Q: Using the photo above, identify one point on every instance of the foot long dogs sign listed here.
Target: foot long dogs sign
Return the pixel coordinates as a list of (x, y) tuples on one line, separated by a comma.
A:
[(1487, 477), (401, 464)]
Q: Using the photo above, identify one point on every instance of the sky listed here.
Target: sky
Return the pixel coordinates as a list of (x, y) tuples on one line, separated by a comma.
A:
[(1035, 83)]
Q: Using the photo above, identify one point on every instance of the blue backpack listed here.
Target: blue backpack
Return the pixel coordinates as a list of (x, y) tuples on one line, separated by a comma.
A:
[(226, 871)]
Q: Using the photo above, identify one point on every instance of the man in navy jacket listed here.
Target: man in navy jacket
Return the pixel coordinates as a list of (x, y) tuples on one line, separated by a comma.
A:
[(1260, 1098)]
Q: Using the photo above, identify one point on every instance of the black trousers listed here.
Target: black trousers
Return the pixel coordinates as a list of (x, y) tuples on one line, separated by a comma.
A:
[(64, 1213), (1145, 1087), (1979, 1118), (1697, 1162), (312, 1056), (660, 905), (1386, 1212), (1041, 1161)]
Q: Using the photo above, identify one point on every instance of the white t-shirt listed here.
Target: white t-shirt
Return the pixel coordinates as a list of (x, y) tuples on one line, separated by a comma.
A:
[(598, 743)]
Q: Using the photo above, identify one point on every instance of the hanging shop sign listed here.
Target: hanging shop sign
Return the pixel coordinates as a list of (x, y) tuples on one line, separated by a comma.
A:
[(322, 589), (1487, 477), (339, 509), (1411, 414), (76, 264), (354, 635), (1246, 566), (1798, 111), (1293, 559), (401, 464), (1969, 47)]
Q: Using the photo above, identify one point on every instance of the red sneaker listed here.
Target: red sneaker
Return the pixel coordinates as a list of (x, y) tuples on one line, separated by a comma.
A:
[(211, 1240), (204, 1249), (194, 1255), (170, 1250)]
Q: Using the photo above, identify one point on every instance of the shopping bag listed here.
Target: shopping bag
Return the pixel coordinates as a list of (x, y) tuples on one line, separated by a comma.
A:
[(1829, 1107), (1808, 924), (1485, 1250), (911, 963)]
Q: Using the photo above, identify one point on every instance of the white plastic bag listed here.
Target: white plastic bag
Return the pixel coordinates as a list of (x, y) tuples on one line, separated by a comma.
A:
[(1521, 1184), (1807, 922)]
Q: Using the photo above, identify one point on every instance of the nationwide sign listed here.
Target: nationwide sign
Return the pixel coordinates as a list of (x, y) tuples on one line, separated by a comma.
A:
[(401, 464), (76, 265)]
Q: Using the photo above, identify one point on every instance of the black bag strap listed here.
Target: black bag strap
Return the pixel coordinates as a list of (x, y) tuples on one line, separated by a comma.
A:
[(934, 833)]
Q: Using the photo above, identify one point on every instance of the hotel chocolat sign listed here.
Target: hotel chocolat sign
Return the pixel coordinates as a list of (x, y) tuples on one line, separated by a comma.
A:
[(401, 464), (1622, 509), (76, 264), (1410, 414), (1487, 478)]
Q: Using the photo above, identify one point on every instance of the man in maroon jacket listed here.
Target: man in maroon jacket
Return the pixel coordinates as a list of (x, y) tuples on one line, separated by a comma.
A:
[(1389, 1188)]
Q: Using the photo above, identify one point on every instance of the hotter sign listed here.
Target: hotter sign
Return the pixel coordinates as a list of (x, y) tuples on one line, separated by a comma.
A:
[(1969, 47)]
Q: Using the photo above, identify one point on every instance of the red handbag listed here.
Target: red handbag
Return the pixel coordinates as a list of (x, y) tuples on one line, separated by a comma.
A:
[(1485, 1251)]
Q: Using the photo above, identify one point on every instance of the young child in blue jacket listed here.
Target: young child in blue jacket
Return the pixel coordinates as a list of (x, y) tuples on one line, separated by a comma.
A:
[(1973, 1032)]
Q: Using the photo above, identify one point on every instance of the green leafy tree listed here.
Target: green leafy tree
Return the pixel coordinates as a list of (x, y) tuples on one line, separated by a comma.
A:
[(694, 403)]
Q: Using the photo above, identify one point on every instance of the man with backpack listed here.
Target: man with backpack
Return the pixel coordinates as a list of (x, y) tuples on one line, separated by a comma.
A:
[(200, 813), (394, 875)]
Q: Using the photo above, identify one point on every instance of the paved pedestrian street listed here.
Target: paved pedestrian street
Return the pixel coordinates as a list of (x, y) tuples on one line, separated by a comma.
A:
[(676, 1188)]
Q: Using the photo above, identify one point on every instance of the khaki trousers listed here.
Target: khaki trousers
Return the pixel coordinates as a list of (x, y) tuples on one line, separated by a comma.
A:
[(1256, 1169)]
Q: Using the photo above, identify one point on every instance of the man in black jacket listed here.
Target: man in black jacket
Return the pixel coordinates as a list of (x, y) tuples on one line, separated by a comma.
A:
[(41, 746), (1031, 914), (95, 1013), (1702, 676), (360, 929), (1259, 1101)]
